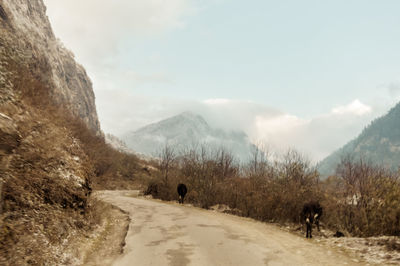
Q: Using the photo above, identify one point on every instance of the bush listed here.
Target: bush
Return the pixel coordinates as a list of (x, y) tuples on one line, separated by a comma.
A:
[(365, 199), (362, 200)]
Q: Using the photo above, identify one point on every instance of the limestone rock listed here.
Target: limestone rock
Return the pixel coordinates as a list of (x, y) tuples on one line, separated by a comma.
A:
[(69, 81)]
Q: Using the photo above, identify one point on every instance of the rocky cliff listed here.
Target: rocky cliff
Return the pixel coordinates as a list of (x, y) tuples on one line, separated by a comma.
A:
[(45, 170), (33, 40)]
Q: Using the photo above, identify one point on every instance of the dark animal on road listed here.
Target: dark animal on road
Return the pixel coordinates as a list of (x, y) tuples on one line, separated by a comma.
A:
[(338, 234), (152, 189), (311, 213), (182, 190)]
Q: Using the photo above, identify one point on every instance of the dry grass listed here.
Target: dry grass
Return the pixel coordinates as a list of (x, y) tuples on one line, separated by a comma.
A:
[(50, 171), (110, 239)]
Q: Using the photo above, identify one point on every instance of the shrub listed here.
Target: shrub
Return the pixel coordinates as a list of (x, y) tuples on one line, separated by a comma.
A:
[(362, 200)]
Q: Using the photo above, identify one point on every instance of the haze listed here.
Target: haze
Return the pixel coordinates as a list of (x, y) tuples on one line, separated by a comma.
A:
[(303, 74)]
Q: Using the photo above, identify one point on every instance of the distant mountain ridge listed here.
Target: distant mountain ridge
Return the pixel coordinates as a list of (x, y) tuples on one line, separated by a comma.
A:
[(116, 143), (183, 131), (379, 143)]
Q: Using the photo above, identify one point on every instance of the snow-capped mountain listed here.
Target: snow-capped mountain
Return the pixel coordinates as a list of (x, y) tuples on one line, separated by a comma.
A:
[(187, 130)]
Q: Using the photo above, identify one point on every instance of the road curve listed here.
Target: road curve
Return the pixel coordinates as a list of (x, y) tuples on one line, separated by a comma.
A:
[(170, 234)]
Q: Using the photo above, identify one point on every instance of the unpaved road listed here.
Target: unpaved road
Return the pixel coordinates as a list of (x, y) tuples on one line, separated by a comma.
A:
[(170, 234)]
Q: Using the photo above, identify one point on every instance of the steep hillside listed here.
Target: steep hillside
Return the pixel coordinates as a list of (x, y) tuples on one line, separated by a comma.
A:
[(378, 143), (51, 148), (183, 131), (26, 27)]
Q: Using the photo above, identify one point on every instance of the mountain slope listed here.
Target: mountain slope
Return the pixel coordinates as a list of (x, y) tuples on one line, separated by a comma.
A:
[(379, 143), (26, 28), (116, 143), (183, 131), (45, 170)]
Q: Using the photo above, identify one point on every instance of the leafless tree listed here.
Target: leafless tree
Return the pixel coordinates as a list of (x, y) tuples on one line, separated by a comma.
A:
[(167, 159)]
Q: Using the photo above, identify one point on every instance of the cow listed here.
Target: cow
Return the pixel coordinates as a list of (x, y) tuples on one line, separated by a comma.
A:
[(311, 213), (182, 190)]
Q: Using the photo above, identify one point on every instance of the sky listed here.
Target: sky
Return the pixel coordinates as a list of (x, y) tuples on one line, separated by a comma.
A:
[(308, 74)]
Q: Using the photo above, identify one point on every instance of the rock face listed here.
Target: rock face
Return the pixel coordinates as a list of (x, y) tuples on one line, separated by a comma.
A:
[(45, 171), (67, 79), (379, 143), (186, 130)]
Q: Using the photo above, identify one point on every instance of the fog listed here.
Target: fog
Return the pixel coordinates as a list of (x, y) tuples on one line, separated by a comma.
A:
[(316, 137), (302, 83)]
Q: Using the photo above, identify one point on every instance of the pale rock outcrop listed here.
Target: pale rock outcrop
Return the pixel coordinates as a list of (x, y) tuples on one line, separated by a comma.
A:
[(68, 79)]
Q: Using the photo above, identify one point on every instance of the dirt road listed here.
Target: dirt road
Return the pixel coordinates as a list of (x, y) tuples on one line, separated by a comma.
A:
[(169, 234)]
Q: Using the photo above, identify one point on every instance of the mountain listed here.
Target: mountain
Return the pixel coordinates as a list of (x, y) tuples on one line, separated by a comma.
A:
[(116, 143), (378, 143), (26, 30), (47, 109), (185, 131)]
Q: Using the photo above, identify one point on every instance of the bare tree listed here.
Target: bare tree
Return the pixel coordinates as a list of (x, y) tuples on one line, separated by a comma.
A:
[(167, 159), (226, 166), (258, 165)]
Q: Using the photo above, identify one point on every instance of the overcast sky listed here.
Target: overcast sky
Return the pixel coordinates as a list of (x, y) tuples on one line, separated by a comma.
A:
[(305, 74)]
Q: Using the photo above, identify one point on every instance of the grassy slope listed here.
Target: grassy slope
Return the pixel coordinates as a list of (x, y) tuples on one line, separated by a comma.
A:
[(49, 163)]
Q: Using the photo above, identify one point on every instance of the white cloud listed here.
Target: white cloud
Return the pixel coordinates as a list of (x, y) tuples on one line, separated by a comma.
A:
[(123, 111), (217, 101), (94, 29), (356, 107), (316, 137), (278, 124), (394, 89), (102, 33)]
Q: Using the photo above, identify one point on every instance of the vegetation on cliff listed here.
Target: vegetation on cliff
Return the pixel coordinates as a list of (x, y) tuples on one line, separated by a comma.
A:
[(51, 155), (378, 143)]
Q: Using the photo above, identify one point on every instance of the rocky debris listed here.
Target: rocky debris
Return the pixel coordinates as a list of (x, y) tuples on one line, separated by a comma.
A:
[(371, 250), (226, 209), (107, 242), (376, 250)]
